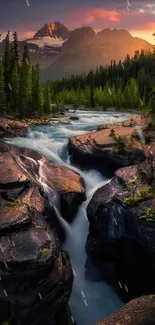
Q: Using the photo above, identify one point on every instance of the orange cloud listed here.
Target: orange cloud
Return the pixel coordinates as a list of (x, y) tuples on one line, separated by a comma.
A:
[(28, 34), (90, 15)]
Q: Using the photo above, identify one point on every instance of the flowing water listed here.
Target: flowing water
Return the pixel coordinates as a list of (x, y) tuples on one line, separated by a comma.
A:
[(90, 301)]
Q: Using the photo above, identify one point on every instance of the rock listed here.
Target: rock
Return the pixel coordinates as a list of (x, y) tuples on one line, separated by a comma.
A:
[(122, 230), (11, 128), (58, 183), (35, 272), (140, 311), (99, 150), (74, 118)]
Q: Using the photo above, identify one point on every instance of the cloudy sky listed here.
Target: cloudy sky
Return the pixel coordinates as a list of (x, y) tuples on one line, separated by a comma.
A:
[(27, 16)]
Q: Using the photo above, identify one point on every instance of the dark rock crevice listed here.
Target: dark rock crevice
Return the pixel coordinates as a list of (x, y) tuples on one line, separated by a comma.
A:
[(35, 272)]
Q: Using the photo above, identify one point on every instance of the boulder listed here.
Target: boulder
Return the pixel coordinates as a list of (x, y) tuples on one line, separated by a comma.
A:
[(139, 311), (122, 230), (100, 150), (35, 272), (59, 184), (11, 128)]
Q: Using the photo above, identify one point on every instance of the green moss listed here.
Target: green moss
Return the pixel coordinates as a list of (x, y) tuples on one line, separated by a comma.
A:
[(14, 260), (152, 296), (39, 227), (150, 215), (145, 193), (132, 200), (16, 204), (44, 251)]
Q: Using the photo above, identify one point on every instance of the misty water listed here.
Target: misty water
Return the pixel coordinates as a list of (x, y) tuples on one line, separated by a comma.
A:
[(90, 301)]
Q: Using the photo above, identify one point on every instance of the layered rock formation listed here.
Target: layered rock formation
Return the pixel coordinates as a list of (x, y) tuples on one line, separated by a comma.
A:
[(140, 311), (35, 272), (122, 230), (102, 151)]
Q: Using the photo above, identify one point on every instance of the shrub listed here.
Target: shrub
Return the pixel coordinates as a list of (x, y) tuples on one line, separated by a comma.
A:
[(119, 146), (112, 134)]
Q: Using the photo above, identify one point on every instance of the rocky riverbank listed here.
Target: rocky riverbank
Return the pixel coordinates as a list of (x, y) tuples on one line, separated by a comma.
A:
[(35, 272), (10, 128), (121, 242), (110, 147)]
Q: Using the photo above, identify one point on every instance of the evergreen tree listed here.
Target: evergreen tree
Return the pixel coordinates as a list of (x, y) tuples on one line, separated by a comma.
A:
[(47, 99), (37, 91), (25, 87), (15, 48), (2, 90), (7, 68), (15, 88)]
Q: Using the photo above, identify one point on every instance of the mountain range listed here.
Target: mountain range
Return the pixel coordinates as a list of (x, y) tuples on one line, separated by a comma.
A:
[(62, 52)]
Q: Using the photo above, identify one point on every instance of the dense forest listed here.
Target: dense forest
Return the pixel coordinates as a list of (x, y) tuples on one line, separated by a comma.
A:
[(21, 91), (128, 84), (124, 85)]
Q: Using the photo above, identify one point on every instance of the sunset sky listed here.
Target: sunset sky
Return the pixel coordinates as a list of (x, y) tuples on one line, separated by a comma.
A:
[(27, 16)]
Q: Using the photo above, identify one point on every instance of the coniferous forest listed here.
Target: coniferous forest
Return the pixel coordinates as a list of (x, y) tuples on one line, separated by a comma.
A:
[(125, 85)]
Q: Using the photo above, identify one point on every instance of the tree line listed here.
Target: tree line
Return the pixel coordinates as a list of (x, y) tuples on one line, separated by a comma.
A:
[(128, 84), (21, 91)]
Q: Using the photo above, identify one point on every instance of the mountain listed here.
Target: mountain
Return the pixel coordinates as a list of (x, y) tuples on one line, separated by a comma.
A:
[(49, 40), (85, 49), (54, 30)]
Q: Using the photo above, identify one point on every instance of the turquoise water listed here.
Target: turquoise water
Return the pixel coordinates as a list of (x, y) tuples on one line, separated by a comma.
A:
[(90, 301)]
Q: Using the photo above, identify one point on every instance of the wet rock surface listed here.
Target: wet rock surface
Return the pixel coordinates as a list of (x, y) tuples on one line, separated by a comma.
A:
[(122, 231), (12, 128), (35, 272), (140, 311), (99, 150)]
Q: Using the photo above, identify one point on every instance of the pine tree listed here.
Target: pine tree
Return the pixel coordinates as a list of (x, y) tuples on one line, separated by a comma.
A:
[(7, 68), (15, 48), (37, 91), (2, 90), (25, 88), (47, 99), (15, 88)]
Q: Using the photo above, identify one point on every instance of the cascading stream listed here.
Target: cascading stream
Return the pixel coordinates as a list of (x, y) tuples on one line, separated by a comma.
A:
[(90, 301)]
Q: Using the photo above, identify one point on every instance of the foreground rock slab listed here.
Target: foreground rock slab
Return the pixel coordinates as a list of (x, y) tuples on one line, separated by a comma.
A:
[(35, 272), (122, 231), (140, 311), (100, 150)]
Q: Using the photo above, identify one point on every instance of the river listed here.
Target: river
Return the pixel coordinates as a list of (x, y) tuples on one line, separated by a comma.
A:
[(90, 301)]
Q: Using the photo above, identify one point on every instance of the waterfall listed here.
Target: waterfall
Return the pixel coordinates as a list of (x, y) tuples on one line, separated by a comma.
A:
[(90, 301)]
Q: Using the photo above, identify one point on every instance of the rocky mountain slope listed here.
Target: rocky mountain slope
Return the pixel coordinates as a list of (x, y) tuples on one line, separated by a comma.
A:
[(53, 30), (85, 49)]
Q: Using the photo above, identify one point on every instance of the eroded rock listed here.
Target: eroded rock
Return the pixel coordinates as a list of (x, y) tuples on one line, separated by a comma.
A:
[(122, 230), (35, 272), (140, 311), (100, 150)]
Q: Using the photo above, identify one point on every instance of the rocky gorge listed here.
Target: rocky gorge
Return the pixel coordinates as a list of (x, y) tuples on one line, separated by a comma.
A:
[(36, 273)]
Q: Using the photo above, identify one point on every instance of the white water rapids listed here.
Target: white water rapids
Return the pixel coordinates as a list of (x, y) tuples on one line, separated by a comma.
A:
[(90, 301)]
